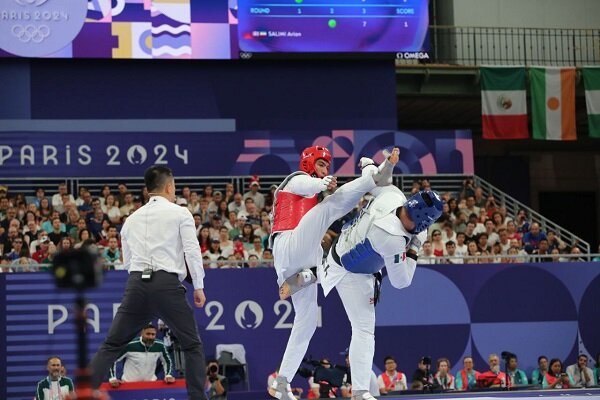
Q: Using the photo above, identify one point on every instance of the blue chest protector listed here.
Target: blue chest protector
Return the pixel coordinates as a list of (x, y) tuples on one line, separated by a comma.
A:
[(363, 259)]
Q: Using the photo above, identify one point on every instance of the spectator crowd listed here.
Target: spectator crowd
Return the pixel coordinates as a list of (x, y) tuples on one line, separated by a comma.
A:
[(233, 227)]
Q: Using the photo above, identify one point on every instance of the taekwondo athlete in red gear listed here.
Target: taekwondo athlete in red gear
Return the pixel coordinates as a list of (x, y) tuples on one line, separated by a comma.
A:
[(388, 232), (299, 224)]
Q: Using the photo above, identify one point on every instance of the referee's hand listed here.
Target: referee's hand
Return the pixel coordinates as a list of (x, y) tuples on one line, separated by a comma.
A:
[(199, 298)]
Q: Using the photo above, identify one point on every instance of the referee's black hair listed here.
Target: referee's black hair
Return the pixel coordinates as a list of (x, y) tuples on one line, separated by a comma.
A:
[(156, 177)]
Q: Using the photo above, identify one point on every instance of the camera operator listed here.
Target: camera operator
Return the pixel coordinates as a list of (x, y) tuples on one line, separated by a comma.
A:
[(423, 373), (216, 385)]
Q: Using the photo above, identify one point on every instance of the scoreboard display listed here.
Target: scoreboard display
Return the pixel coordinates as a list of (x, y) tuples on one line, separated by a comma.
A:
[(353, 26)]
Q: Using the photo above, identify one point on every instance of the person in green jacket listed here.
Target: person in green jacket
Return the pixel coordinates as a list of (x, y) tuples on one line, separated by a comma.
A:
[(517, 377), (54, 386), (537, 376)]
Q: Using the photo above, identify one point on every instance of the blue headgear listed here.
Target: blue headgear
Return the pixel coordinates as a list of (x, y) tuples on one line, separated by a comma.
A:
[(424, 208)]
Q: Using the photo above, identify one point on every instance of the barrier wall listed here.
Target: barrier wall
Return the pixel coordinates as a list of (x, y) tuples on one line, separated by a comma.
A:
[(450, 310)]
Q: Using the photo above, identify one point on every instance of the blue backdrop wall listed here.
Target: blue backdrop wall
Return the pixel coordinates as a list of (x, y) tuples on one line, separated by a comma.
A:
[(448, 311)]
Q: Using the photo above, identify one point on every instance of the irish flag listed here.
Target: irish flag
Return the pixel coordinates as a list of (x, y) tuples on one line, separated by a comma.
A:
[(591, 80), (553, 103), (503, 103)]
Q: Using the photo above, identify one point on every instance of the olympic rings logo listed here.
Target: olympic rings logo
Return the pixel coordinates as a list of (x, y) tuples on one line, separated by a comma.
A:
[(31, 2), (31, 33)]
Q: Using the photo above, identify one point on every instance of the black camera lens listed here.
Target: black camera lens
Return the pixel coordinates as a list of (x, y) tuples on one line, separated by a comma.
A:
[(213, 369)]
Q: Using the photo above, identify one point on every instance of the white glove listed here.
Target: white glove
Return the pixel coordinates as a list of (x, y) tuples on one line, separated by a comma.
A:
[(367, 166), (325, 182), (417, 241)]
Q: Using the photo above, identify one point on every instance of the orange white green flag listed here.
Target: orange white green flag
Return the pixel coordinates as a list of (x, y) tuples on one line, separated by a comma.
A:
[(504, 103), (553, 103)]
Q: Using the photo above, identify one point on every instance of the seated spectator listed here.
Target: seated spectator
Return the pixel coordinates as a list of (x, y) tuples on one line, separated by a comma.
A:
[(225, 243), (57, 203), (253, 261), (253, 214), (470, 207), (112, 210), (448, 232), (575, 251), (213, 253), (442, 378), (254, 194), (493, 377), (451, 252), (532, 238), (482, 243), (503, 240), (490, 229), (537, 376), (5, 265), (204, 239), (237, 204), (491, 206), (18, 249), (499, 221), (542, 251), (217, 384), (597, 258), (267, 258), (466, 378), (257, 247), (140, 358), (470, 232), (459, 222), (521, 221), (556, 378), (112, 254), (436, 243), (128, 205), (473, 251), (215, 226), (511, 230), (44, 249), (84, 235), (391, 379), (222, 211), (580, 374), (57, 233), (517, 377), (461, 246), (426, 256), (54, 386), (248, 236)]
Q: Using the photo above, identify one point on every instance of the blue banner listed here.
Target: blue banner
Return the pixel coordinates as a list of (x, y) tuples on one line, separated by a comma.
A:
[(448, 311), (224, 154)]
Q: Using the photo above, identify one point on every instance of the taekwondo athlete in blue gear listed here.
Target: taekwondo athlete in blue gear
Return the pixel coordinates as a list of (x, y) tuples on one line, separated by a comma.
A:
[(388, 232)]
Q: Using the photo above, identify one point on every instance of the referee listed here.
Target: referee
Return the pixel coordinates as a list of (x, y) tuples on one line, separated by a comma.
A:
[(158, 240)]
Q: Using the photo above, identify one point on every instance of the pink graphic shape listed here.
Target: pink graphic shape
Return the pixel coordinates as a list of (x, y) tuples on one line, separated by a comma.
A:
[(349, 166), (253, 143), (218, 47), (428, 164), (248, 157), (465, 146)]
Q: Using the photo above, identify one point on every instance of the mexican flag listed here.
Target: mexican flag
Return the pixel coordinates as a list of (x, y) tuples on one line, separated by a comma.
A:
[(591, 80), (553, 103), (503, 103)]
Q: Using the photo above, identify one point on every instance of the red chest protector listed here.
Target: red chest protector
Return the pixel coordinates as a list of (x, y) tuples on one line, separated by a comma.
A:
[(289, 210)]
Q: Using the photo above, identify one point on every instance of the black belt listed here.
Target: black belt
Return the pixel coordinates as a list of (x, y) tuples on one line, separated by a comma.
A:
[(334, 253)]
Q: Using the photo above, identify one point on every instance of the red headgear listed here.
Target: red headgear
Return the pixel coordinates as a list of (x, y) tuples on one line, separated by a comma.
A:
[(310, 155)]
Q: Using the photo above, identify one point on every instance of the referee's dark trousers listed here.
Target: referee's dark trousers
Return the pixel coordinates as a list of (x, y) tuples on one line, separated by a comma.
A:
[(162, 296)]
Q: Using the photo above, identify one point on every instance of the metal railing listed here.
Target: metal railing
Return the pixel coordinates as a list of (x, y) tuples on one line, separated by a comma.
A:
[(451, 260), (512, 206), (471, 46)]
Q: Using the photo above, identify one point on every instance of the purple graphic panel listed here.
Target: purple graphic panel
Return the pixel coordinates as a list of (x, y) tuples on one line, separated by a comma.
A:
[(449, 311), (234, 153)]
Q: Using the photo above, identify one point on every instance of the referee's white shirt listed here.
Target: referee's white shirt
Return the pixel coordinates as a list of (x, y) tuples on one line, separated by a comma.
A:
[(162, 235)]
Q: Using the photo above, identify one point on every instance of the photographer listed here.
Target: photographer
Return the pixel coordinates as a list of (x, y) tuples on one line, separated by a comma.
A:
[(423, 373), (216, 385)]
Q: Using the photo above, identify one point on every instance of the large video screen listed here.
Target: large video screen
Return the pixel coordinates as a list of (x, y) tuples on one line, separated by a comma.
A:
[(332, 26), (209, 29)]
